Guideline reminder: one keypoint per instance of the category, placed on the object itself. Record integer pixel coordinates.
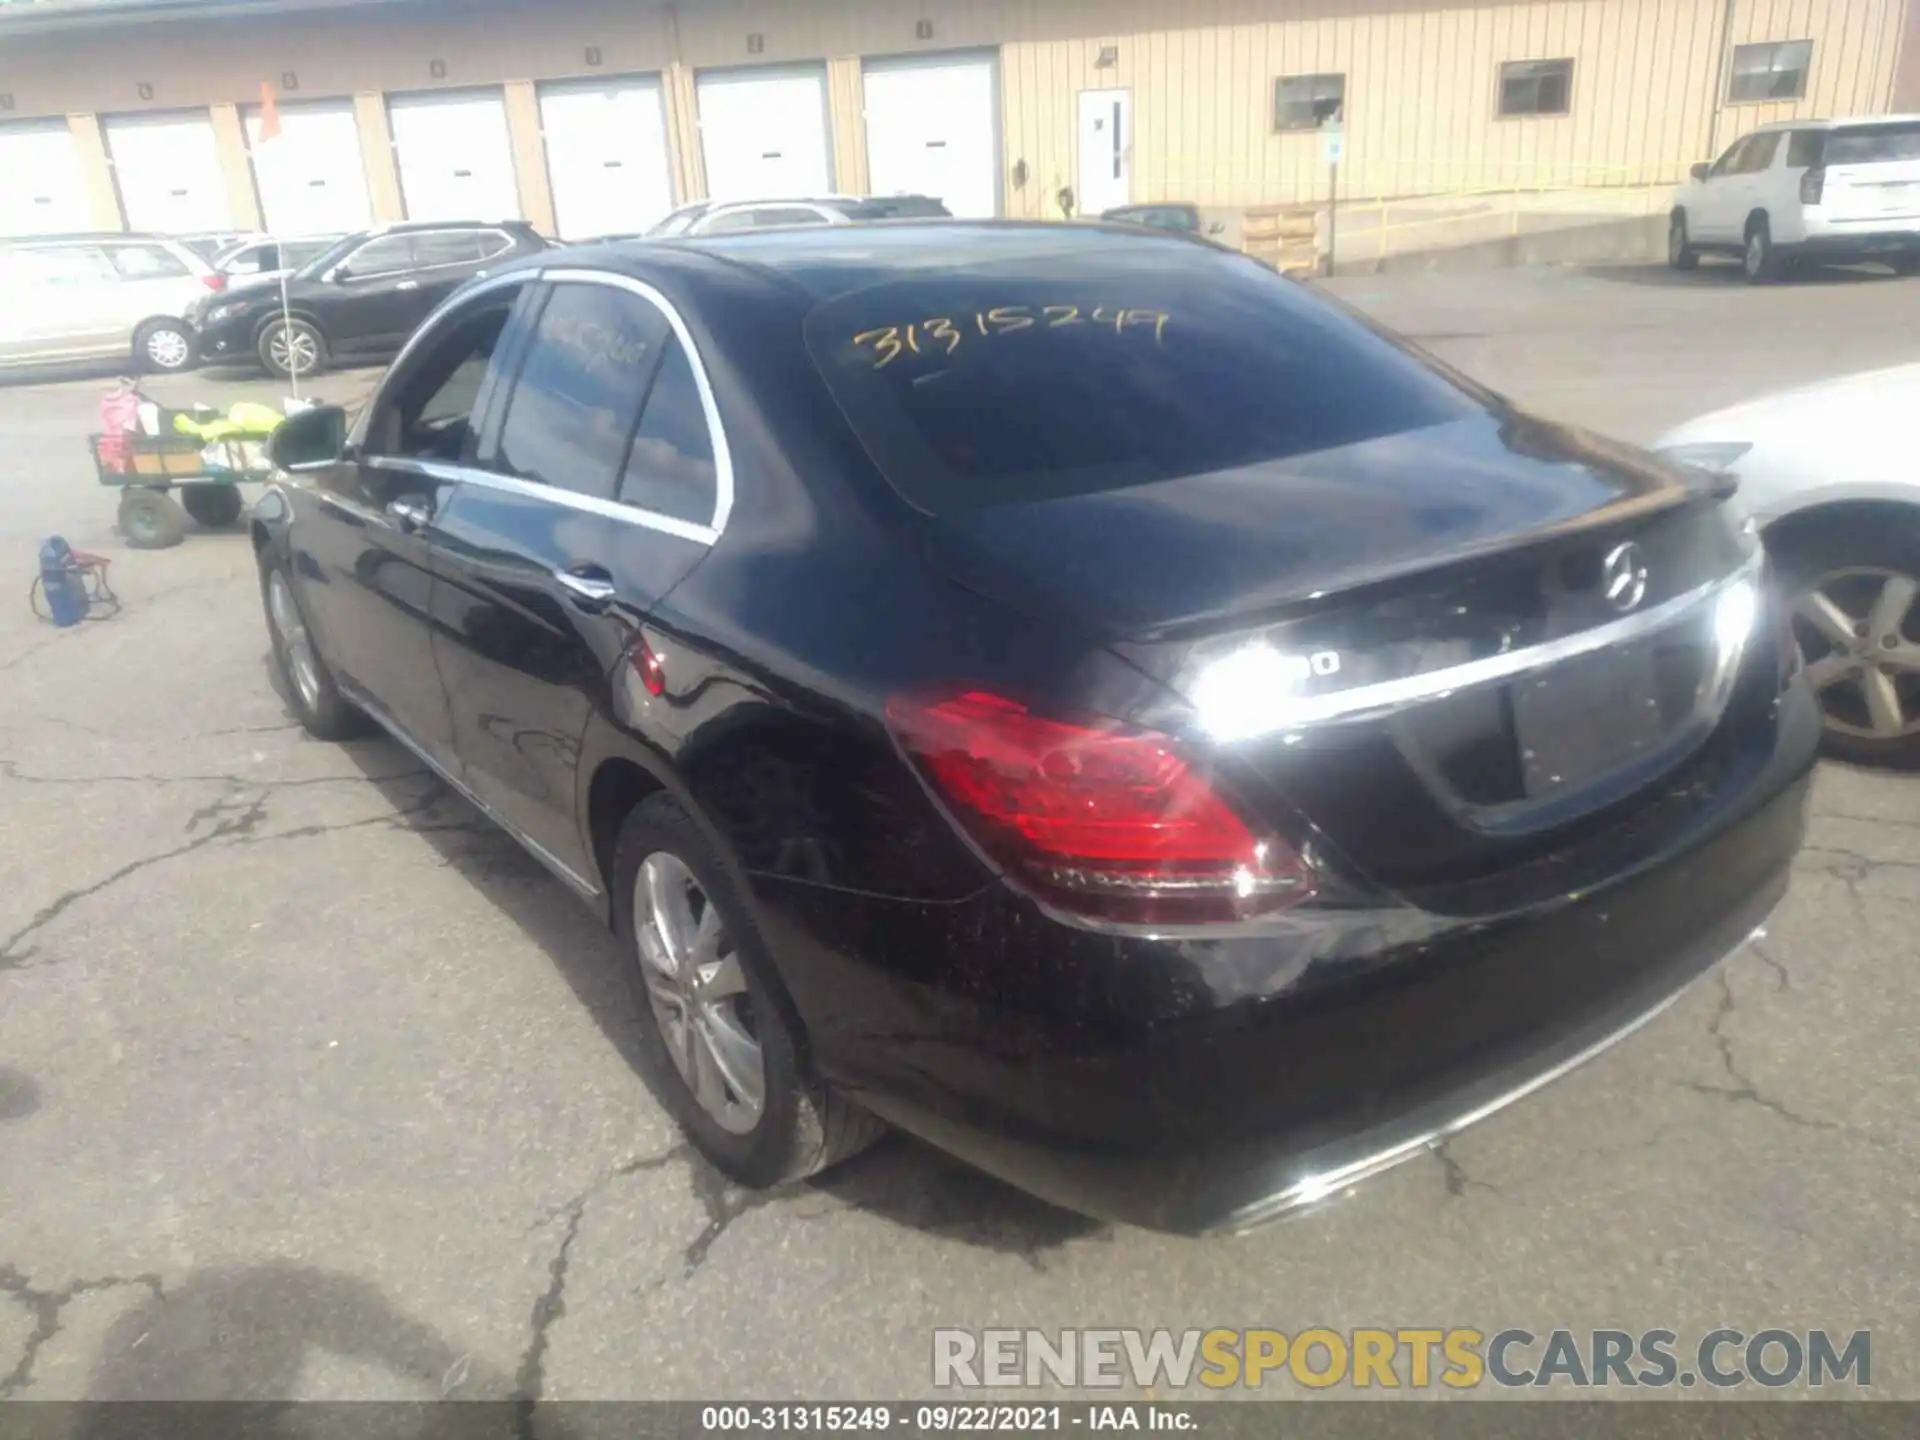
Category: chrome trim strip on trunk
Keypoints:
(1366, 702)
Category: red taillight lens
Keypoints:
(1813, 185)
(1105, 820)
(215, 282)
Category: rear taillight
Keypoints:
(1099, 819)
(215, 282)
(1813, 184)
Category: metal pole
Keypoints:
(1333, 209)
(286, 328)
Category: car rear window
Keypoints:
(1026, 380)
(1869, 144)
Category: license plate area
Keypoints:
(1580, 719)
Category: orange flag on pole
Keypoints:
(269, 114)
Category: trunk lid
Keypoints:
(1299, 613)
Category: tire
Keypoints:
(799, 1127)
(1680, 255)
(1852, 566)
(308, 685)
(1760, 261)
(277, 355)
(150, 520)
(164, 347)
(213, 507)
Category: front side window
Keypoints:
(428, 412)
(146, 262)
(1773, 71)
(1536, 87)
(729, 221)
(1003, 383)
(388, 255)
(592, 356)
(1759, 152)
(1306, 102)
(670, 469)
(1730, 161)
(787, 215)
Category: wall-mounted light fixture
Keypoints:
(923, 29)
(437, 69)
(593, 54)
(756, 44)
(144, 90)
(289, 80)
(6, 102)
(1108, 57)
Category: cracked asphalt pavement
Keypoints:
(313, 1086)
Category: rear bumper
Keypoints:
(1841, 246)
(1200, 1085)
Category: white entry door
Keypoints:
(931, 131)
(454, 156)
(606, 156)
(311, 177)
(1106, 151)
(764, 135)
(42, 187)
(168, 171)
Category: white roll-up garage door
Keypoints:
(932, 130)
(311, 177)
(606, 143)
(454, 155)
(764, 133)
(42, 185)
(167, 168)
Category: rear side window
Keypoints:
(670, 469)
(1803, 149)
(1872, 144)
(61, 266)
(146, 262)
(1017, 382)
(593, 353)
(446, 247)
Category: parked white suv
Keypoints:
(1839, 190)
(98, 297)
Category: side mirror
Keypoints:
(1700, 171)
(311, 440)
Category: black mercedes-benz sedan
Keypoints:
(1061, 690)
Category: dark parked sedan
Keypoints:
(359, 298)
(1066, 692)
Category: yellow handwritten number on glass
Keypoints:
(886, 345)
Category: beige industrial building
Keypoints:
(596, 116)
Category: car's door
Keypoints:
(601, 486)
(1751, 189)
(372, 300)
(1711, 215)
(363, 554)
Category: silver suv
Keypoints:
(97, 297)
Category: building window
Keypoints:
(1306, 102)
(1774, 71)
(1536, 87)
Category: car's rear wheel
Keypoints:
(1759, 260)
(720, 1033)
(316, 700)
(164, 345)
(1680, 255)
(1858, 624)
(292, 347)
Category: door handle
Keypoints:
(410, 512)
(588, 586)
(408, 285)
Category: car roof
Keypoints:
(1844, 122)
(831, 260)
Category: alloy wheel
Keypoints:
(292, 350)
(1856, 631)
(168, 349)
(1756, 255)
(698, 993)
(295, 643)
(1676, 242)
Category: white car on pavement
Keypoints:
(1838, 190)
(1830, 474)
